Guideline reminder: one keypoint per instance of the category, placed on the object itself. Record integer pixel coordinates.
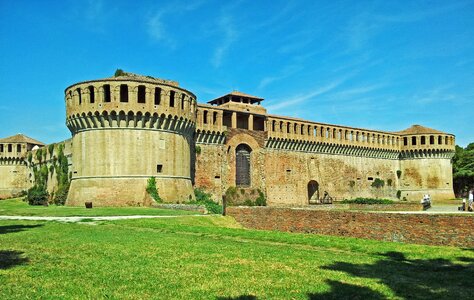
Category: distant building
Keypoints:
(129, 128)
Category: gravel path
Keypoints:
(78, 219)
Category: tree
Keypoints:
(463, 169)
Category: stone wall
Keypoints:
(452, 230)
(13, 179)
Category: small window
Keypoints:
(405, 141)
(431, 140)
(10, 148)
(214, 118)
(18, 148)
(370, 178)
(182, 101)
(172, 99)
(123, 93)
(204, 117)
(141, 95)
(440, 140)
(107, 93)
(78, 90)
(413, 140)
(159, 168)
(91, 93)
(1, 147)
(423, 140)
(157, 96)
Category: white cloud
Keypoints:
(229, 36)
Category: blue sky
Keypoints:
(373, 64)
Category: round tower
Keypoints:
(420, 146)
(125, 130)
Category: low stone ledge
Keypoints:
(188, 207)
(418, 228)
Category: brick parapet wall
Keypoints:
(418, 228)
(382, 207)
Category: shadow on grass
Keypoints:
(407, 278)
(9, 259)
(16, 228)
(241, 297)
(340, 290)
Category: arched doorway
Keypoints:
(313, 191)
(242, 165)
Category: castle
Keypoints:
(129, 128)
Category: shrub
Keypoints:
(399, 194)
(152, 190)
(39, 155)
(51, 150)
(261, 200)
(198, 149)
(389, 182)
(378, 183)
(352, 183)
(399, 174)
(30, 157)
(205, 199)
(367, 201)
(37, 195)
(119, 72)
(61, 195)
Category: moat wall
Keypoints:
(429, 229)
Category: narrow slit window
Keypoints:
(182, 101)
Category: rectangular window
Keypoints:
(405, 141)
(91, 94)
(1, 147)
(18, 148)
(413, 140)
(172, 99)
(123, 93)
(10, 148)
(79, 95)
(141, 94)
(159, 168)
(107, 93)
(157, 96)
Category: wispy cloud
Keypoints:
(307, 96)
(158, 29)
(229, 36)
(285, 73)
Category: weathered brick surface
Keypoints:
(452, 230)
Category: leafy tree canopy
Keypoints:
(463, 169)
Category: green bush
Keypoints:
(119, 72)
(399, 194)
(198, 149)
(152, 190)
(61, 195)
(203, 198)
(399, 174)
(37, 195)
(378, 183)
(51, 150)
(261, 200)
(367, 201)
(389, 182)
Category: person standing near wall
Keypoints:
(471, 200)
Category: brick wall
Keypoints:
(453, 230)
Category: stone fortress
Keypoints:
(129, 128)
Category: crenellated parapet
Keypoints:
(289, 131)
(419, 139)
(129, 101)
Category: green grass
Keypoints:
(17, 207)
(213, 258)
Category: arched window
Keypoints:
(423, 140)
(242, 165)
(431, 140)
(440, 140)
(141, 94)
(273, 125)
(182, 101)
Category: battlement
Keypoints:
(128, 101)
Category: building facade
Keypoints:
(129, 128)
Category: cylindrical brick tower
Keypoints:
(125, 130)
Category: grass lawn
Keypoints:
(213, 258)
(17, 207)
